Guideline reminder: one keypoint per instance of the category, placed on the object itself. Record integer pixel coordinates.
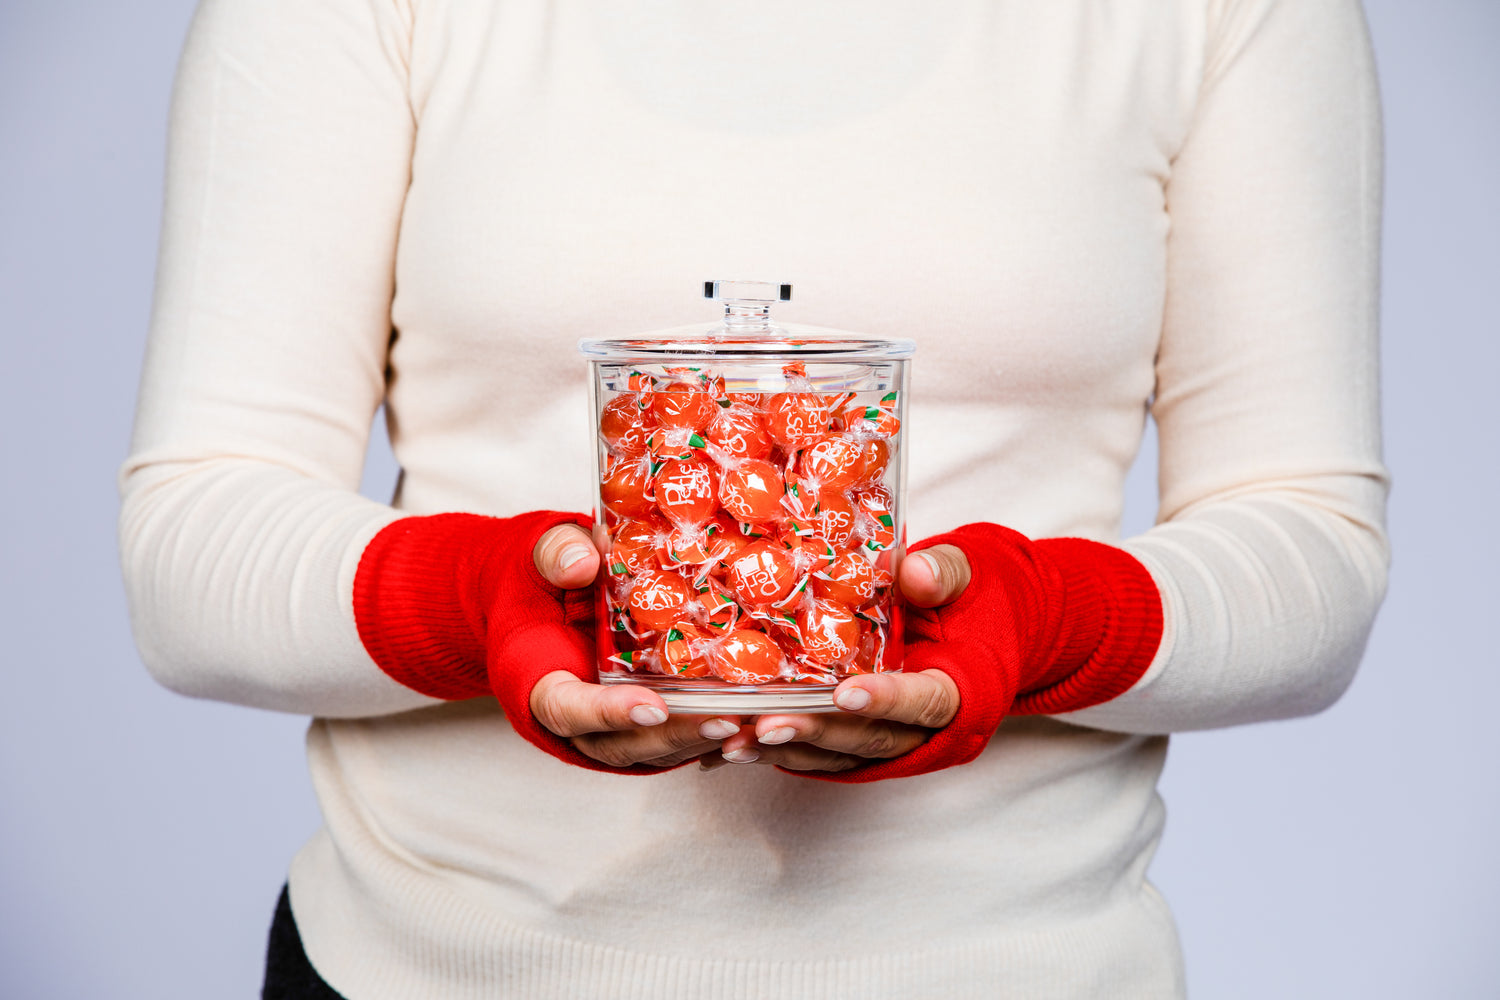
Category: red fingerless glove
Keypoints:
(453, 606)
(1044, 627)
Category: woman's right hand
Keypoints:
(616, 725)
(620, 725)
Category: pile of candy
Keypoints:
(750, 534)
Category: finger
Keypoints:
(676, 741)
(719, 728)
(806, 757)
(929, 698)
(566, 557)
(695, 752)
(840, 733)
(570, 707)
(741, 748)
(934, 576)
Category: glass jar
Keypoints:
(750, 507)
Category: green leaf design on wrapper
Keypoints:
(872, 413)
(889, 397)
(618, 569)
(674, 635)
(697, 442)
(628, 656)
(886, 520)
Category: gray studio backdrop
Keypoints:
(143, 837)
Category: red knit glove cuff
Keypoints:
(428, 588)
(453, 606)
(1068, 623)
(1112, 623)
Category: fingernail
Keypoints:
(853, 699)
(779, 735)
(647, 715)
(717, 729)
(932, 564)
(573, 555)
(744, 755)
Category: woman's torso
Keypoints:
(986, 179)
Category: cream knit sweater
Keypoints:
(1082, 212)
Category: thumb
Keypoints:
(934, 576)
(571, 707)
(566, 557)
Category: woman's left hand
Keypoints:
(883, 715)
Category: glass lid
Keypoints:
(746, 331)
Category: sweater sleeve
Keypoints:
(1270, 550)
(240, 528)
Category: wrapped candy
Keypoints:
(877, 525)
(829, 632)
(833, 463)
(739, 432)
(875, 455)
(682, 651)
(763, 573)
(683, 406)
(721, 613)
(747, 657)
(656, 600)
(850, 580)
(625, 426)
(795, 419)
(835, 518)
(684, 490)
(688, 545)
(634, 544)
(817, 553)
(731, 540)
(627, 490)
(879, 420)
(750, 491)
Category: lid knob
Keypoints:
(747, 291)
(747, 304)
